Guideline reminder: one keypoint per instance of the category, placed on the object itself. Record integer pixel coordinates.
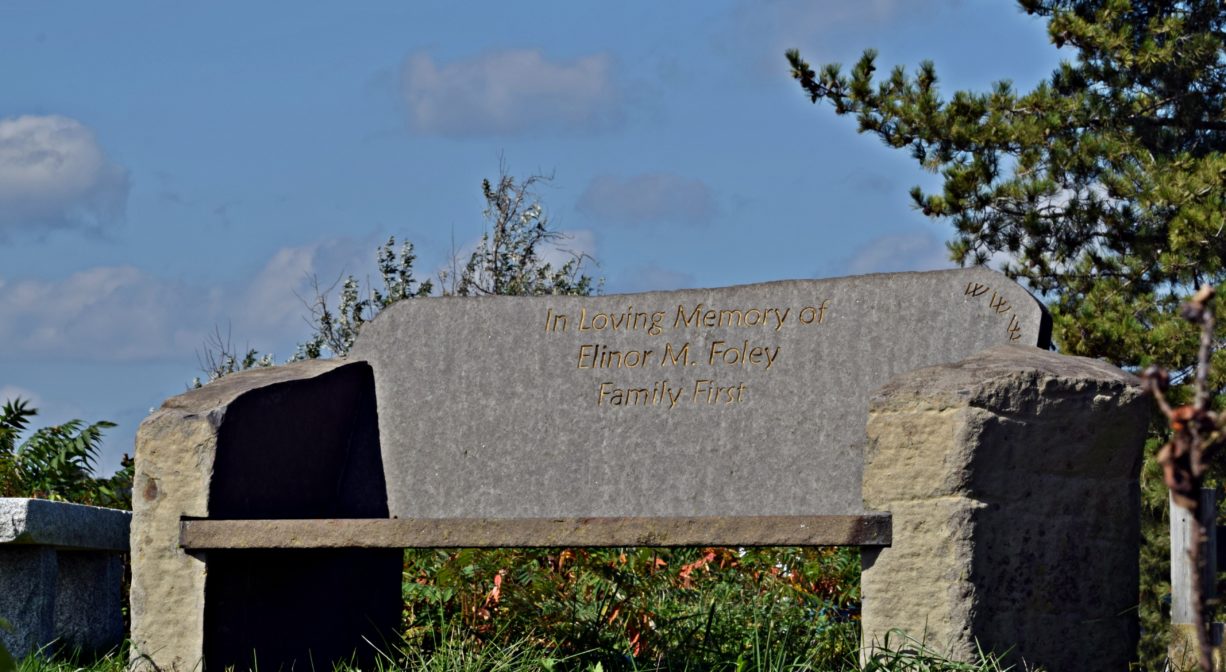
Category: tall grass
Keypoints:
(458, 653)
(629, 610)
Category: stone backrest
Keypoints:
(731, 402)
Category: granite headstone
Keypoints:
(736, 401)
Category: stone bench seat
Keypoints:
(61, 573)
(868, 529)
(61, 525)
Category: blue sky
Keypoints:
(168, 170)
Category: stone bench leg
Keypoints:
(27, 597)
(60, 599)
(89, 600)
(1012, 480)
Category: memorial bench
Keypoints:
(61, 573)
(993, 489)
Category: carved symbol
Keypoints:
(1015, 329)
(998, 302)
(975, 289)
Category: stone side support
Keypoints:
(1012, 480)
(297, 441)
(27, 598)
(61, 575)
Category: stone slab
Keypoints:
(1011, 478)
(738, 401)
(864, 530)
(63, 525)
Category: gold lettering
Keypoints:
(586, 353)
(728, 317)
(680, 357)
(554, 322)
(998, 302)
(656, 328)
(690, 321)
(707, 391)
(636, 358)
(602, 393)
(811, 314)
(975, 289)
(742, 355)
(659, 394)
(780, 318)
(637, 395)
(597, 356)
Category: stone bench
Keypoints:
(992, 483)
(61, 573)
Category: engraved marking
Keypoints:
(597, 356)
(721, 352)
(817, 314)
(660, 392)
(998, 302)
(709, 392)
(745, 355)
(975, 289)
(554, 322)
(678, 357)
(1000, 305)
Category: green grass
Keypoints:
(464, 655)
(628, 610)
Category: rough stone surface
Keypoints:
(89, 601)
(499, 406)
(63, 525)
(1012, 480)
(27, 597)
(298, 441)
(61, 575)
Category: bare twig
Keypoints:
(1185, 459)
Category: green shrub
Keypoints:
(681, 608)
(57, 462)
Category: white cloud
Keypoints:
(271, 306)
(54, 175)
(509, 92)
(106, 312)
(898, 252)
(649, 198)
(120, 313)
(269, 302)
(124, 314)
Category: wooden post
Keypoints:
(1183, 530)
